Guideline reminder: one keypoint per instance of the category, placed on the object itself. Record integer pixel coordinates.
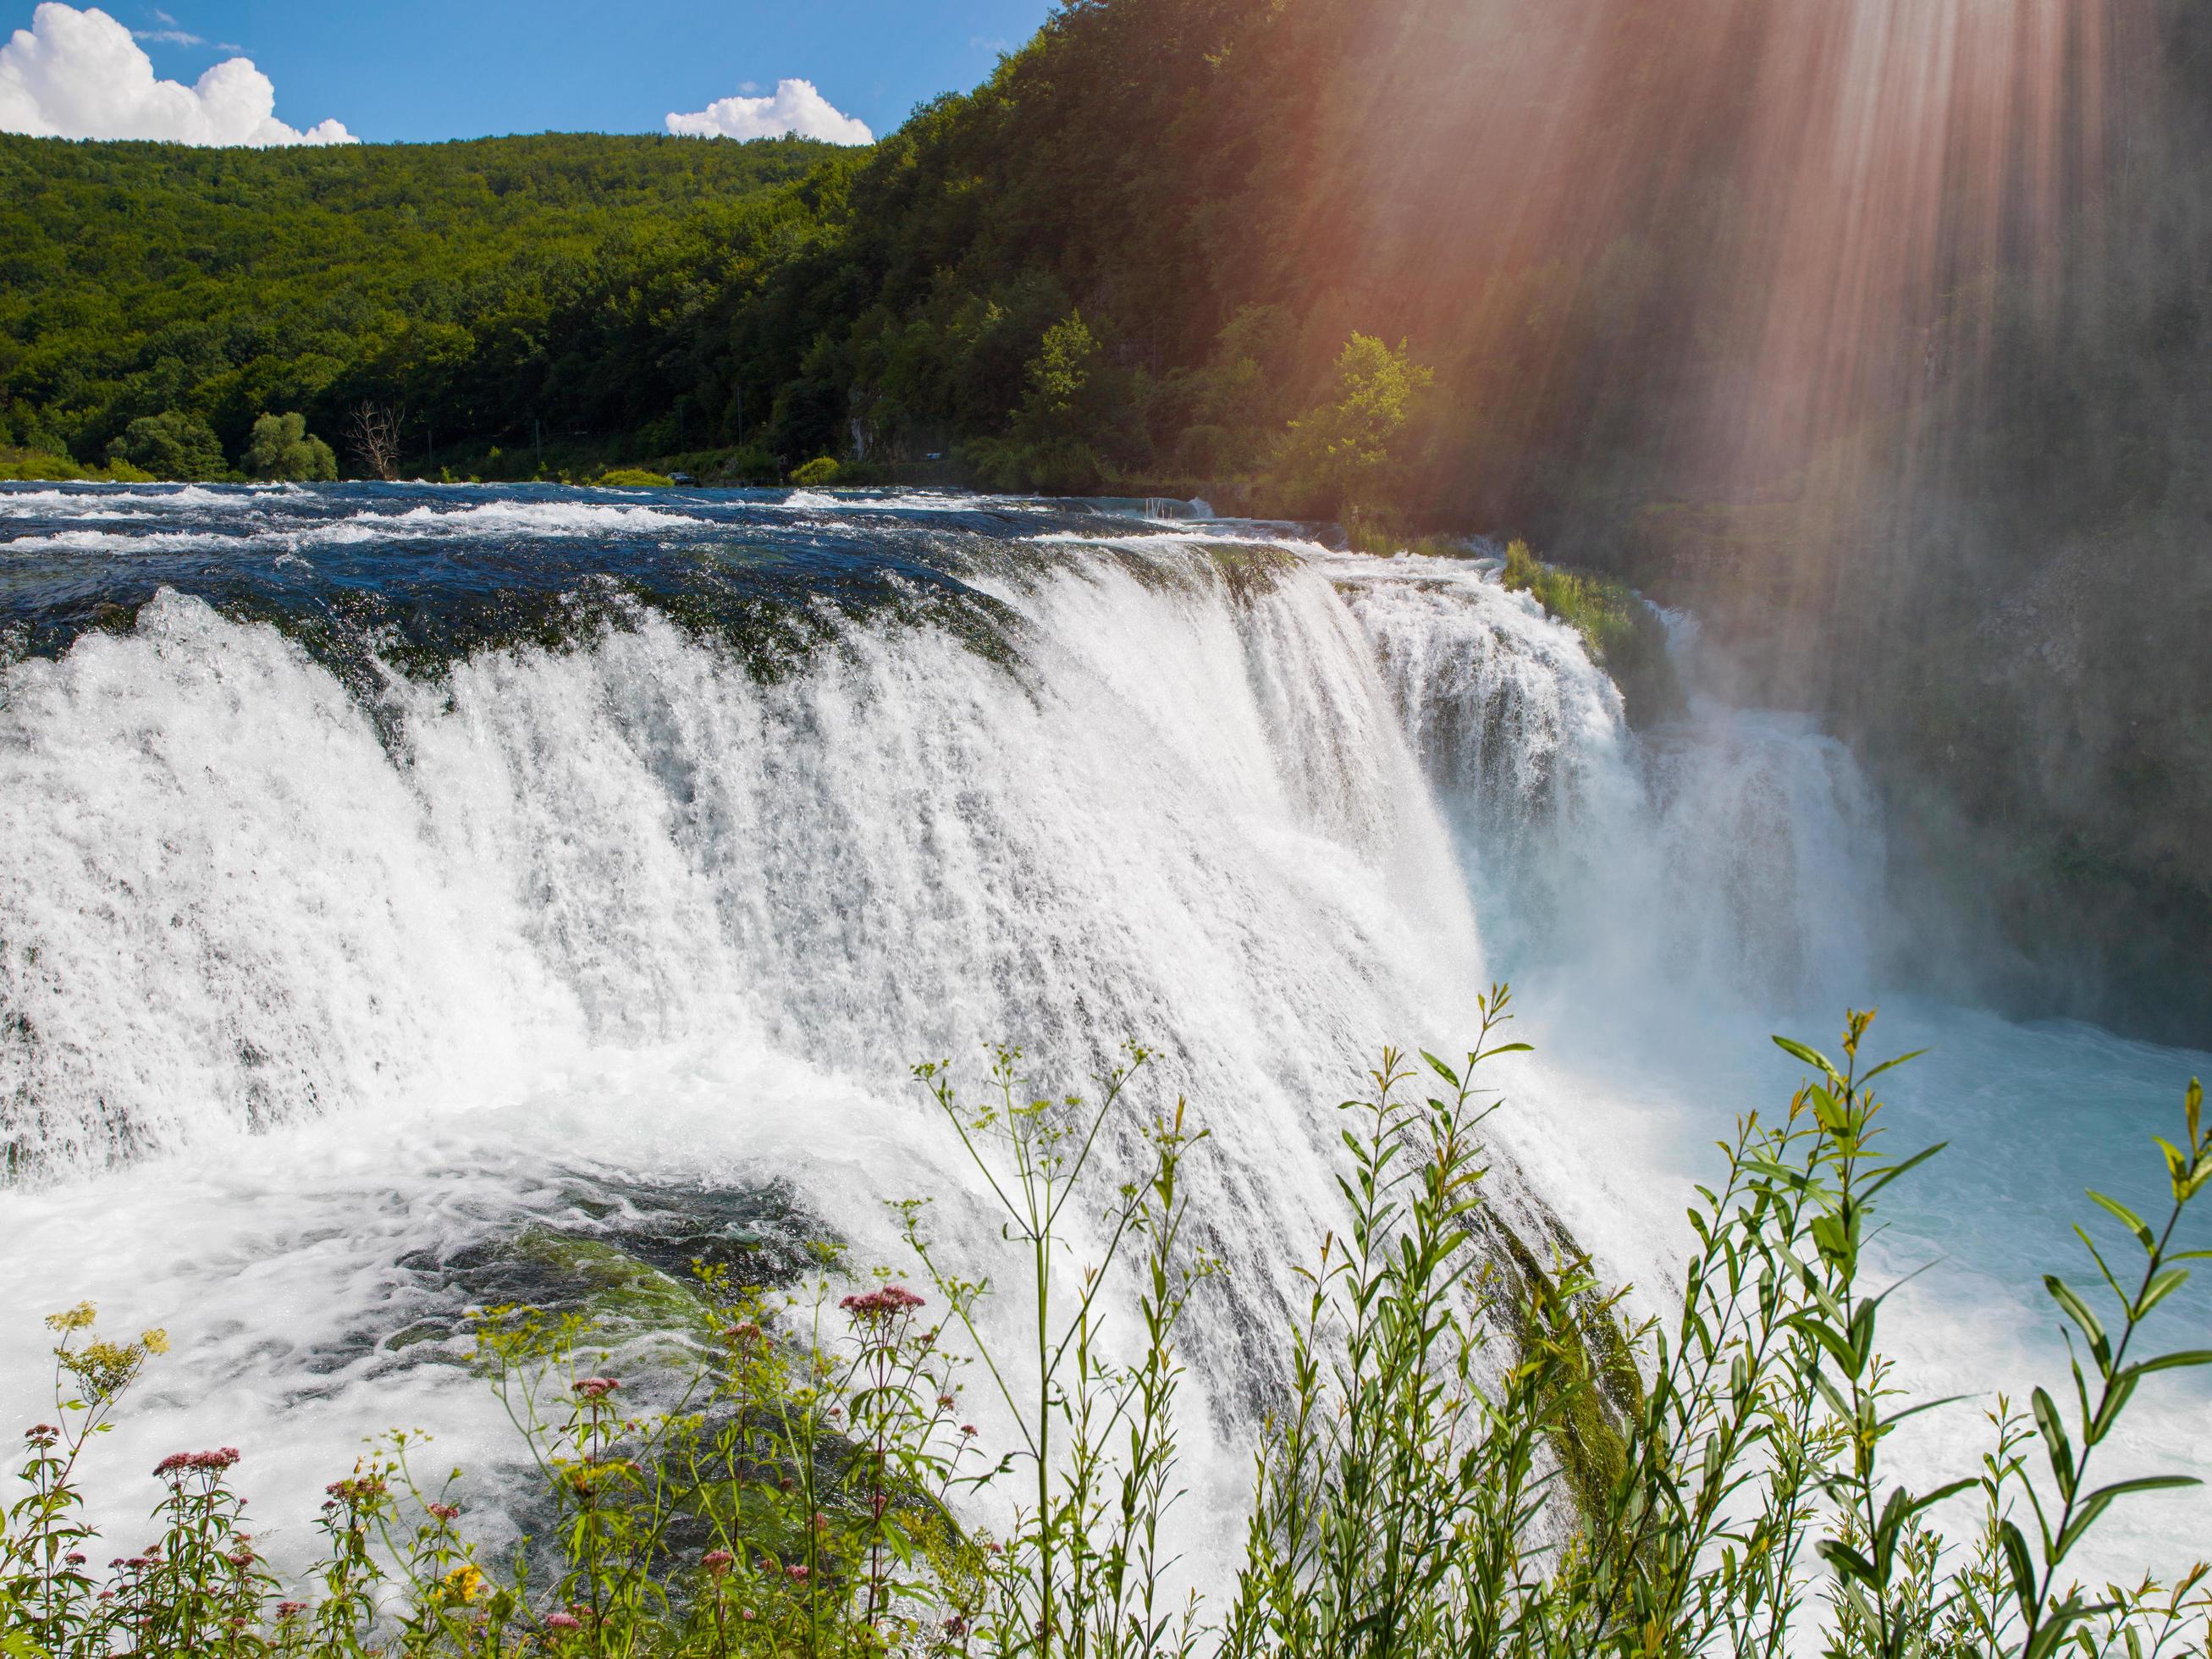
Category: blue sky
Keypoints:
(453, 69)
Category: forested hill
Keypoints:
(141, 279)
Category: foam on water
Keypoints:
(295, 987)
(126, 531)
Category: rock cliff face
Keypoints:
(2053, 758)
(2040, 725)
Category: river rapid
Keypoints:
(392, 872)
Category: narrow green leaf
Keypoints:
(2022, 1565)
(2145, 1483)
(1897, 1169)
(2118, 1393)
(1895, 1418)
(2160, 1288)
(1930, 1499)
(1810, 1057)
(1847, 1561)
(2078, 1311)
(1833, 1340)
(1901, 1059)
(2174, 1361)
(2060, 1450)
(2126, 1217)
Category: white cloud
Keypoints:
(794, 106)
(79, 75)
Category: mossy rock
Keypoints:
(609, 1287)
(623, 1257)
(1591, 1438)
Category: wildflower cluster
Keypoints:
(889, 1302)
(208, 1462)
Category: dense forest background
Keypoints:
(1880, 335)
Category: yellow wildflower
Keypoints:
(104, 1369)
(77, 1319)
(464, 1582)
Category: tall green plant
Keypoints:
(1082, 1572)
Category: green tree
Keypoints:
(171, 445)
(1058, 377)
(1351, 451)
(282, 450)
(1075, 407)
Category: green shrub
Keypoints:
(822, 469)
(282, 450)
(1623, 632)
(1381, 535)
(38, 466)
(1472, 1455)
(632, 478)
(172, 444)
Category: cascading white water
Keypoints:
(1731, 856)
(289, 996)
(231, 907)
(625, 904)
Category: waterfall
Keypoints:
(1183, 815)
(1733, 857)
(616, 853)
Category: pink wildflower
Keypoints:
(193, 1462)
(595, 1388)
(797, 1572)
(892, 1300)
(716, 1561)
(355, 1490)
(564, 1621)
(290, 1610)
(445, 1511)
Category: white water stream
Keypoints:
(286, 1007)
